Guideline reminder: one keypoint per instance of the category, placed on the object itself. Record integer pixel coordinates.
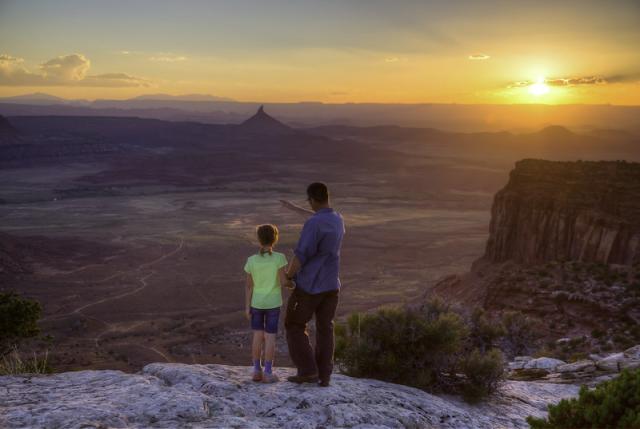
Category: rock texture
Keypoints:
(581, 211)
(198, 396)
(586, 371)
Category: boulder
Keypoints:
(611, 362)
(546, 363)
(579, 366)
(633, 352)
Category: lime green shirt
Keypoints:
(267, 292)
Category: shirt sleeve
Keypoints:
(247, 266)
(308, 243)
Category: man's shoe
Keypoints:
(323, 383)
(299, 379)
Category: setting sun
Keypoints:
(539, 88)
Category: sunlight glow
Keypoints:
(539, 88)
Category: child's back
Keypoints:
(267, 292)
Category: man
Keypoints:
(315, 270)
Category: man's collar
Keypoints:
(325, 210)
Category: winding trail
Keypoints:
(142, 280)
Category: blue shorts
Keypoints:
(265, 320)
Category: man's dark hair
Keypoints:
(318, 191)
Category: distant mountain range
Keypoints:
(450, 117)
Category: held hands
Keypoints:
(290, 284)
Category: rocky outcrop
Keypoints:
(181, 396)
(264, 124)
(580, 211)
(589, 371)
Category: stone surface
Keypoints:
(550, 364)
(198, 396)
(582, 365)
(633, 352)
(611, 362)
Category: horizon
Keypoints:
(332, 53)
(219, 99)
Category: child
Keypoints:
(265, 276)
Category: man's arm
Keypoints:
(293, 268)
(296, 208)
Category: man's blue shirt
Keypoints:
(318, 251)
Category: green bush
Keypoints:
(409, 347)
(612, 404)
(18, 320)
(520, 333)
(485, 331)
(429, 348)
(483, 372)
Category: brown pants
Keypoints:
(300, 309)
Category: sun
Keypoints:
(539, 88)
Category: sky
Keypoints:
(395, 51)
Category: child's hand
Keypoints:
(247, 313)
(290, 285)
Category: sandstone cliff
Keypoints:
(579, 211)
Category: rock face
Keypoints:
(180, 396)
(264, 124)
(580, 211)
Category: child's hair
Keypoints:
(268, 236)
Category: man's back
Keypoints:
(319, 252)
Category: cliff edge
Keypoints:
(574, 211)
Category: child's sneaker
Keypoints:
(257, 376)
(270, 378)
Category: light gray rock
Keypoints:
(611, 362)
(633, 352)
(549, 364)
(582, 365)
(218, 396)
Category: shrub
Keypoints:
(484, 331)
(13, 363)
(431, 348)
(18, 320)
(520, 333)
(483, 372)
(407, 346)
(612, 404)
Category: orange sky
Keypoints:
(349, 51)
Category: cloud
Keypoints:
(116, 80)
(8, 59)
(391, 60)
(168, 58)
(479, 56)
(579, 80)
(64, 70)
(572, 81)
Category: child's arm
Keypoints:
(284, 281)
(296, 208)
(248, 293)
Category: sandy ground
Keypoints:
(167, 284)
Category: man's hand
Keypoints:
(247, 314)
(296, 208)
(290, 284)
